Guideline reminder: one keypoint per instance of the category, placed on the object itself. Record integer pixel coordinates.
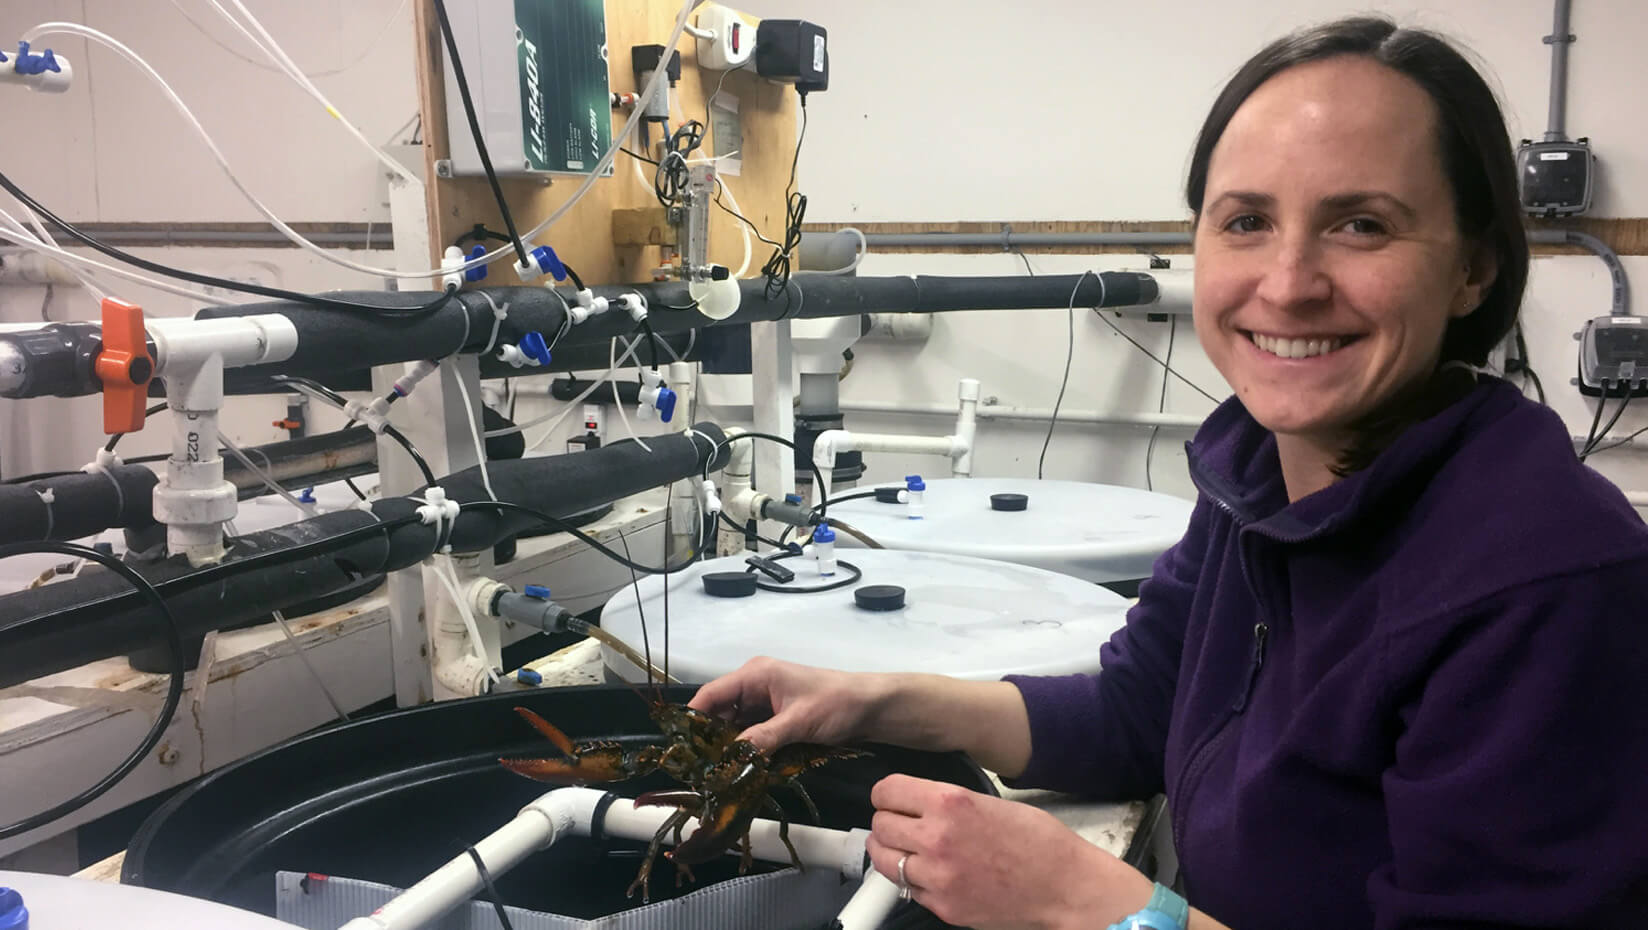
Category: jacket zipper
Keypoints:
(1202, 755)
(1260, 631)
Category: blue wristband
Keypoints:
(1165, 911)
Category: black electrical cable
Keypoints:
(174, 692)
(652, 342)
(1521, 364)
(115, 439)
(818, 476)
(733, 524)
(274, 293)
(852, 579)
(560, 525)
(741, 217)
(1161, 402)
(356, 488)
(1069, 356)
(491, 889)
(475, 130)
(1596, 420)
(778, 267)
(1590, 447)
(388, 429)
(855, 496)
(1152, 356)
(1620, 442)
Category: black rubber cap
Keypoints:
(880, 597)
(887, 495)
(729, 584)
(1009, 502)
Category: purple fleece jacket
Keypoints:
(1415, 699)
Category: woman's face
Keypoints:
(1328, 257)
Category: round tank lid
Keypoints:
(729, 584)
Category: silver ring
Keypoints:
(903, 883)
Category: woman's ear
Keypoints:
(1480, 273)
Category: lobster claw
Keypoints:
(591, 762)
(588, 768)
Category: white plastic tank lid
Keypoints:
(969, 618)
(57, 901)
(1098, 532)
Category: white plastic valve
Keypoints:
(452, 261)
(634, 304)
(45, 71)
(708, 498)
(588, 305)
(823, 549)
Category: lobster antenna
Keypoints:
(635, 585)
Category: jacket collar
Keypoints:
(1233, 462)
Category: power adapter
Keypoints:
(793, 51)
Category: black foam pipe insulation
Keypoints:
(76, 505)
(333, 341)
(65, 625)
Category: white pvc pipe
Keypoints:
(870, 905)
(1637, 498)
(570, 811)
(1002, 412)
(966, 427)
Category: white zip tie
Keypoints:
(47, 497)
(499, 314)
(439, 511)
(107, 459)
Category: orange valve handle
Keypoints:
(124, 366)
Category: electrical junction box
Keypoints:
(537, 72)
(1555, 178)
(1614, 349)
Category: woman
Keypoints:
(1394, 674)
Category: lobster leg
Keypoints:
(784, 833)
(645, 874)
(687, 804)
(812, 809)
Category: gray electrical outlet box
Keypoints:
(537, 72)
(1614, 349)
(1555, 178)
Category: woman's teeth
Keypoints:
(1297, 348)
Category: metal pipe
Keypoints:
(1557, 123)
(1007, 240)
(1148, 419)
(1597, 247)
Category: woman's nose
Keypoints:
(1293, 276)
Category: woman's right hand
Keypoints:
(782, 702)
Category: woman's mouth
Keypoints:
(1302, 347)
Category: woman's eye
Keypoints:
(1364, 226)
(1246, 223)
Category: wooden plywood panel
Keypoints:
(584, 238)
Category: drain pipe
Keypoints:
(572, 812)
(957, 447)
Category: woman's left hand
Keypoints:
(983, 862)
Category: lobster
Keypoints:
(728, 782)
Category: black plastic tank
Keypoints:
(390, 798)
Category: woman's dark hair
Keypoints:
(1481, 171)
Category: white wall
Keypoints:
(1064, 109)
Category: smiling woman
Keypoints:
(1391, 677)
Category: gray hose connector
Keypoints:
(542, 613)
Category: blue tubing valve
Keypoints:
(534, 347)
(13, 915)
(666, 404)
(548, 262)
(536, 592)
(477, 273)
